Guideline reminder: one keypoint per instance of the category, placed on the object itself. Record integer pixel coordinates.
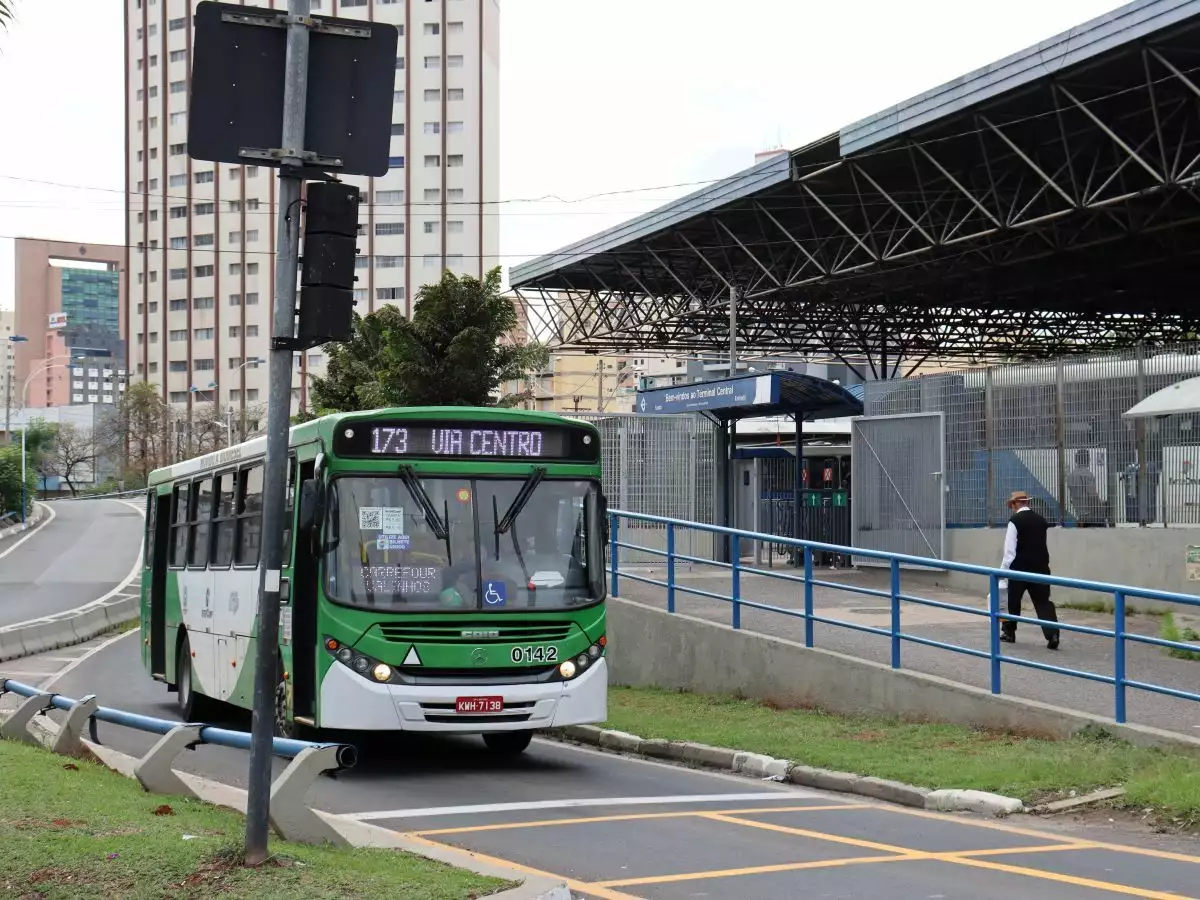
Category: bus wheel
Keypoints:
(507, 743)
(191, 705)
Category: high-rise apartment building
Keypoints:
(202, 235)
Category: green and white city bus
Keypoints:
(444, 571)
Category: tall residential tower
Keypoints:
(202, 235)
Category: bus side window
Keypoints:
(289, 512)
(201, 518)
(249, 528)
(179, 525)
(151, 518)
(224, 521)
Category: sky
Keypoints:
(643, 100)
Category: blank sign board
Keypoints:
(236, 102)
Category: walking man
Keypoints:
(1025, 550)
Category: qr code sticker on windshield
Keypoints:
(370, 518)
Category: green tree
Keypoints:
(455, 351)
(138, 431)
(7, 16)
(10, 481)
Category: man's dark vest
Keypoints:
(1032, 553)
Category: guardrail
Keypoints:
(995, 614)
(139, 492)
(290, 816)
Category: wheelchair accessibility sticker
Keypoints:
(495, 593)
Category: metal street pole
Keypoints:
(279, 402)
(24, 428)
(733, 301)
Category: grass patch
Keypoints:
(1106, 607)
(931, 755)
(1170, 631)
(73, 829)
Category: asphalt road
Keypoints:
(616, 827)
(88, 549)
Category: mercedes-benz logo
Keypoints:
(478, 656)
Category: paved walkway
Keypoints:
(1078, 651)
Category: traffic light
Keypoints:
(327, 272)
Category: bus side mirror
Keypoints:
(312, 505)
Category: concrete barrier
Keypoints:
(64, 629)
(653, 648)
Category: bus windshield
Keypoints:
(446, 543)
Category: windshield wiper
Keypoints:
(436, 525)
(520, 500)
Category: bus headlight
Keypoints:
(567, 669)
(361, 664)
(582, 660)
(382, 672)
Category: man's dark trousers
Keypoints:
(1042, 604)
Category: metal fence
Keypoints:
(660, 466)
(623, 540)
(1056, 430)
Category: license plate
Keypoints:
(469, 705)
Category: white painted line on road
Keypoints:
(62, 673)
(32, 531)
(789, 796)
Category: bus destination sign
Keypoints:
(462, 441)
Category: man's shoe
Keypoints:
(1008, 638)
(1052, 644)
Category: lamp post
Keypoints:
(253, 362)
(25, 417)
(8, 374)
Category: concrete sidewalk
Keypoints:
(1081, 652)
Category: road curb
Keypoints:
(357, 834)
(38, 518)
(756, 765)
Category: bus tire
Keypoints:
(507, 743)
(192, 706)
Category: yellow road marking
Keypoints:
(1045, 835)
(1064, 879)
(627, 817)
(804, 832)
(597, 890)
(757, 870)
(891, 853)
(1004, 851)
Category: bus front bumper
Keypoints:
(351, 702)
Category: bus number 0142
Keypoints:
(534, 654)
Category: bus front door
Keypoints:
(159, 547)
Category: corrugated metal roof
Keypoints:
(749, 181)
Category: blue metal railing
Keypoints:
(1119, 634)
(286, 748)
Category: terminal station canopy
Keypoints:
(1043, 205)
(750, 396)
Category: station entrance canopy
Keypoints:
(772, 394)
(728, 400)
(1043, 205)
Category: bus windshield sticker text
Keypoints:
(501, 442)
(534, 654)
(402, 580)
(393, 542)
(392, 520)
